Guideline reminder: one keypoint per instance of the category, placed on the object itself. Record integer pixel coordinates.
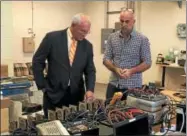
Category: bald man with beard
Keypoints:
(127, 55)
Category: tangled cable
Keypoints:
(117, 114)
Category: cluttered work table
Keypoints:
(164, 67)
(172, 95)
(104, 129)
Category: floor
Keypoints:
(100, 90)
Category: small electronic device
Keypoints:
(31, 120)
(83, 130)
(95, 104)
(51, 115)
(127, 127)
(13, 126)
(39, 117)
(66, 111)
(23, 122)
(82, 106)
(73, 108)
(78, 128)
(90, 106)
(151, 104)
(52, 128)
(59, 114)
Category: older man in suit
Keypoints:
(69, 56)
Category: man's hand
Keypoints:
(126, 73)
(89, 96)
(123, 73)
(119, 72)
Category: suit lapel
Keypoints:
(64, 49)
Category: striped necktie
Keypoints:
(72, 51)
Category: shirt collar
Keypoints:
(131, 34)
(69, 33)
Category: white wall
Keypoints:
(7, 35)
(16, 18)
(47, 16)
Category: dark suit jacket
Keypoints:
(54, 48)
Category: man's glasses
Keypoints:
(84, 32)
(127, 9)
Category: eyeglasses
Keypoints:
(84, 32)
(127, 9)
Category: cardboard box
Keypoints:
(4, 120)
(5, 103)
(4, 70)
(5, 115)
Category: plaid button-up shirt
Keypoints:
(127, 54)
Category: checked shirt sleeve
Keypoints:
(145, 51)
(108, 50)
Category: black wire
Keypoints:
(20, 132)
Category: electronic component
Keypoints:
(101, 102)
(153, 105)
(127, 127)
(82, 106)
(73, 108)
(90, 106)
(52, 128)
(66, 111)
(59, 113)
(39, 117)
(82, 127)
(23, 122)
(13, 126)
(51, 115)
(157, 115)
(150, 105)
(31, 120)
(77, 128)
(95, 104)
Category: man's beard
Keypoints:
(126, 32)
